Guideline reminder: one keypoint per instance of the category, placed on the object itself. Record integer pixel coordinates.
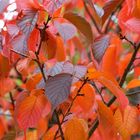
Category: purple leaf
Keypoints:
(20, 44)
(52, 5)
(133, 24)
(28, 22)
(99, 46)
(3, 5)
(66, 30)
(58, 88)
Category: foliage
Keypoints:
(69, 69)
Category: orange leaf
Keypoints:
(60, 52)
(86, 101)
(128, 124)
(42, 126)
(133, 83)
(106, 119)
(112, 85)
(33, 81)
(49, 45)
(75, 129)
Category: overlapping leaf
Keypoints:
(75, 130)
(3, 5)
(111, 84)
(99, 46)
(133, 95)
(81, 24)
(106, 119)
(58, 88)
(109, 8)
(29, 109)
(52, 5)
(126, 125)
(28, 22)
(66, 30)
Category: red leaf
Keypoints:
(29, 109)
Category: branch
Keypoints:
(93, 20)
(109, 20)
(112, 100)
(59, 125)
(130, 42)
(12, 100)
(42, 34)
(98, 91)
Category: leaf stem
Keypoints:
(59, 125)
(12, 100)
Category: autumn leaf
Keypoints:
(111, 84)
(126, 125)
(58, 88)
(52, 5)
(109, 8)
(106, 119)
(29, 109)
(3, 5)
(76, 129)
(87, 98)
(81, 24)
(99, 46)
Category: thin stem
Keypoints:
(98, 91)
(93, 20)
(130, 42)
(59, 125)
(12, 100)
(41, 66)
(109, 20)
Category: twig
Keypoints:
(112, 100)
(109, 20)
(59, 125)
(93, 20)
(130, 42)
(12, 100)
(42, 34)
(98, 91)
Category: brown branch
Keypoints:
(130, 42)
(59, 125)
(92, 18)
(109, 20)
(12, 100)
(112, 100)
(42, 34)
(98, 91)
